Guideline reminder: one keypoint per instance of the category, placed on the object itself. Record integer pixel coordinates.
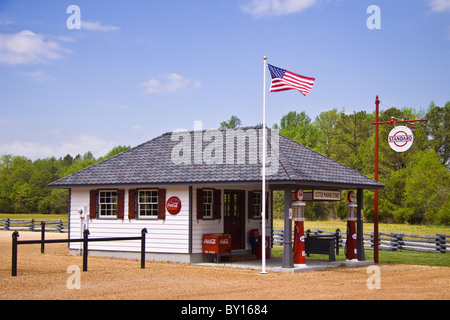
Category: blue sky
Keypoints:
(137, 69)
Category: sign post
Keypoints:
(400, 141)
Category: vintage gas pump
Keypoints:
(298, 213)
(351, 226)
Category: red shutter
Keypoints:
(267, 205)
(93, 204)
(120, 203)
(250, 205)
(199, 204)
(132, 204)
(217, 204)
(162, 204)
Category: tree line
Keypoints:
(417, 182)
(24, 183)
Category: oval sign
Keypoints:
(351, 197)
(173, 205)
(400, 138)
(298, 194)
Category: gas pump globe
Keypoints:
(351, 211)
(298, 210)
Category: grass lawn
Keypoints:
(403, 257)
(36, 216)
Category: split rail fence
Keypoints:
(34, 225)
(439, 243)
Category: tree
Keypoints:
(298, 127)
(351, 132)
(326, 124)
(427, 188)
(438, 130)
(233, 123)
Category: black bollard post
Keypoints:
(143, 232)
(42, 236)
(15, 235)
(85, 249)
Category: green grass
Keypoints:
(36, 216)
(401, 257)
(429, 230)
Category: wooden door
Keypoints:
(233, 209)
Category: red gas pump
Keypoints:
(298, 213)
(350, 252)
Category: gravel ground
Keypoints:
(45, 277)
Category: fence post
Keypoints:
(85, 249)
(42, 236)
(15, 235)
(338, 240)
(440, 243)
(143, 232)
(59, 225)
(32, 224)
(7, 224)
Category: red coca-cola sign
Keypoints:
(173, 205)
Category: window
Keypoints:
(257, 204)
(107, 203)
(208, 204)
(148, 203)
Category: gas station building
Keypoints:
(184, 186)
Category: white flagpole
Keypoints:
(263, 213)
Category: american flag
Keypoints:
(286, 80)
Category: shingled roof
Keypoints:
(177, 158)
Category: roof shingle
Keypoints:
(156, 162)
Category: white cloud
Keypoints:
(439, 5)
(260, 8)
(79, 145)
(169, 83)
(97, 26)
(27, 47)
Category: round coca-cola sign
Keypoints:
(173, 205)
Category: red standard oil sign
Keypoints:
(173, 205)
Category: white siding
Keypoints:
(164, 236)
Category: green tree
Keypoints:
(298, 127)
(326, 124)
(427, 189)
(438, 130)
(352, 131)
(233, 123)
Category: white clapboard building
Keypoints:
(184, 184)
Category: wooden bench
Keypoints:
(321, 244)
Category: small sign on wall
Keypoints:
(173, 205)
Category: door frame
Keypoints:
(242, 219)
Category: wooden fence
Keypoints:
(34, 225)
(386, 241)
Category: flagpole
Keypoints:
(263, 213)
